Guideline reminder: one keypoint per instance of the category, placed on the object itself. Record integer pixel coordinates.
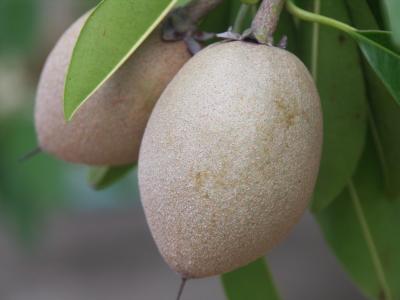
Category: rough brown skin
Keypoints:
(230, 156)
(108, 129)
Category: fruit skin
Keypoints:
(230, 157)
(108, 128)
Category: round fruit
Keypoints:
(230, 157)
(108, 129)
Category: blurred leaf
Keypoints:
(111, 34)
(376, 9)
(17, 24)
(29, 189)
(182, 2)
(334, 59)
(250, 2)
(393, 12)
(235, 6)
(384, 112)
(286, 27)
(253, 281)
(362, 227)
(218, 19)
(103, 177)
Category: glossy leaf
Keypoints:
(103, 177)
(253, 282)
(393, 12)
(362, 227)
(335, 61)
(382, 56)
(114, 30)
(384, 112)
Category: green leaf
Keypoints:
(362, 227)
(286, 27)
(103, 177)
(385, 124)
(250, 2)
(253, 281)
(235, 7)
(384, 112)
(182, 2)
(382, 56)
(114, 30)
(376, 9)
(393, 12)
(218, 19)
(375, 45)
(334, 60)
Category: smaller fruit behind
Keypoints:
(108, 128)
(230, 157)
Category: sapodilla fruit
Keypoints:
(108, 128)
(230, 157)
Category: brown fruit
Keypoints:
(230, 157)
(108, 128)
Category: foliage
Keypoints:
(342, 92)
(362, 228)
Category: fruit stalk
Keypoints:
(266, 20)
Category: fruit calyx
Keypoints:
(263, 26)
(248, 36)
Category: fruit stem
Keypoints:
(243, 10)
(266, 20)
